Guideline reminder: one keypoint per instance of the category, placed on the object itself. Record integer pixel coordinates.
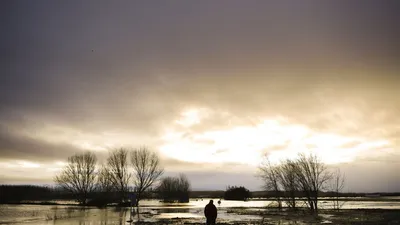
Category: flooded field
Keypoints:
(152, 211)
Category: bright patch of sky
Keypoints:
(276, 138)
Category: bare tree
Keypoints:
(146, 170)
(184, 185)
(117, 166)
(289, 182)
(312, 176)
(337, 185)
(104, 181)
(105, 187)
(270, 176)
(79, 177)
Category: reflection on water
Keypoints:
(151, 211)
(178, 215)
(262, 203)
(175, 210)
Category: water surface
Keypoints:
(154, 210)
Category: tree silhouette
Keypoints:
(146, 170)
(270, 176)
(312, 176)
(337, 185)
(117, 167)
(78, 176)
(306, 174)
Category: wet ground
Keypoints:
(38, 214)
(229, 212)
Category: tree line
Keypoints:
(292, 180)
(126, 176)
(16, 193)
(127, 172)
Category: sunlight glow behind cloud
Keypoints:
(191, 117)
(248, 144)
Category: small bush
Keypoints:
(237, 193)
(174, 189)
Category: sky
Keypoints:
(212, 86)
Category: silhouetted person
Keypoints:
(219, 202)
(210, 211)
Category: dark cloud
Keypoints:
(132, 67)
(25, 148)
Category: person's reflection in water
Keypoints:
(210, 211)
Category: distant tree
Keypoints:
(146, 170)
(78, 176)
(270, 175)
(237, 193)
(18, 193)
(173, 189)
(117, 171)
(337, 185)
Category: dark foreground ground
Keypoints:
(351, 216)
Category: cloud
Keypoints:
(328, 74)
(30, 179)
(16, 147)
(29, 172)
(369, 176)
(176, 165)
